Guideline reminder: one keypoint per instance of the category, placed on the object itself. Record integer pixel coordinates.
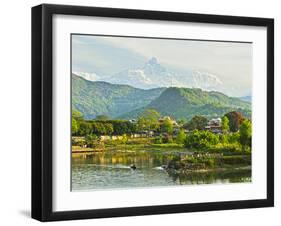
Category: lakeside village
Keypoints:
(198, 144)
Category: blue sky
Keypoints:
(105, 56)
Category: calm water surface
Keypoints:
(112, 170)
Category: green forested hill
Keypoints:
(97, 98)
(184, 103)
(127, 102)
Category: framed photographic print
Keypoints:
(145, 112)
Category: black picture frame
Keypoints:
(42, 107)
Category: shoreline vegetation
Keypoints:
(198, 145)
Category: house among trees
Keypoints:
(168, 118)
(214, 125)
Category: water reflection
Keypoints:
(219, 176)
(112, 170)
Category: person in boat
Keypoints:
(164, 167)
(133, 166)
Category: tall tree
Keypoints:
(167, 126)
(197, 122)
(108, 128)
(245, 132)
(181, 136)
(235, 120)
(74, 126)
(148, 120)
(85, 128)
(225, 124)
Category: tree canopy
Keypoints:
(201, 139)
(148, 120)
(225, 124)
(181, 136)
(235, 120)
(167, 126)
(197, 122)
(74, 126)
(77, 115)
(245, 132)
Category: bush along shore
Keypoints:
(201, 162)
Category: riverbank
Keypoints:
(181, 159)
(130, 147)
(227, 150)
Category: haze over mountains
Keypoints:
(154, 75)
(94, 98)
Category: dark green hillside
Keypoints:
(187, 102)
(102, 98)
(127, 102)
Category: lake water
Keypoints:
(112, 170)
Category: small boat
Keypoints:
(164, 167)
(133, 166)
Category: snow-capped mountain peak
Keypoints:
(153, 67)
(205, 80)
(87, 76)
(153, 75)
